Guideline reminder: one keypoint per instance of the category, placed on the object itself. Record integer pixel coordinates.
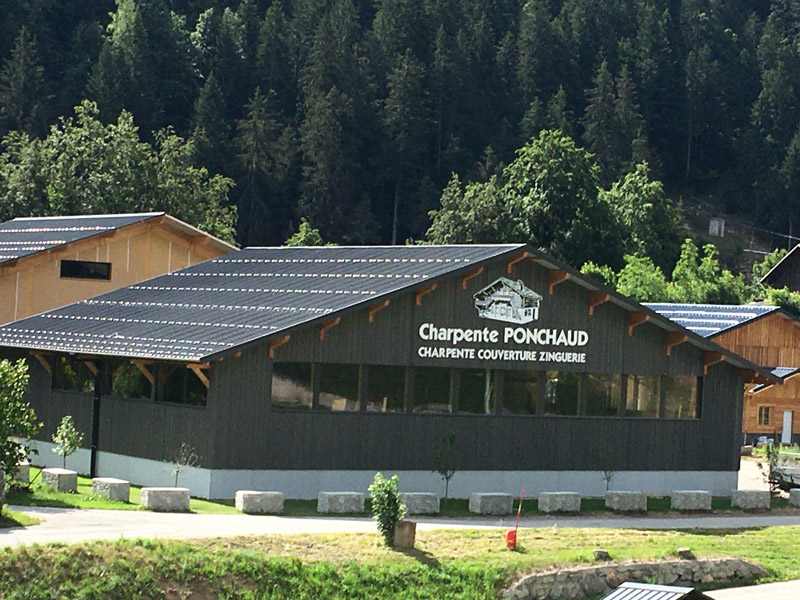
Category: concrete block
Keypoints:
(420, 503)
(559, 502)
(118, 490)
(340, 502)
(626, 501)
(794, 497)
(491, 504)
(751, 499)
(405, 534)
(164, 499)
(258, 503)
(23, 473)
(690, 500)
(63, 480)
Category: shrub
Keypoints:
(67, 439)
(387, 509)
(17, 419)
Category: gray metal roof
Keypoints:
(231, 301)
(708, 320)
(646, 591)
(24, 236)
(783, 373)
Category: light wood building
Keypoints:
(767, 336)
(47, 262)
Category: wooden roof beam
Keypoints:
(92, 367)
(423, 292)
(636, 318)
(375, 309)
(596, 299)
(198, 371)
(467, 276)
(327, 325)
(42, 361)
(142, 366)
(675, 338)
(555, 277)
(515, 259)
(275, 343)
(710, 359)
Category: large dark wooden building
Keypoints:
(309, 369)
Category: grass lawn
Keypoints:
(469, 565)
(10, 518)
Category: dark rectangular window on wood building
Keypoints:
(521, 391)
(763, 415)
(385, 388)
(85, 269)
(562, 393)
(643, 397)
(291, 385)
(128, 381)
(603, 394)
(71, 374)
(477, 393)
(180, 385)
(432, 390)
(338, 387)
(680, 397)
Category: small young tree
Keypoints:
(444, 463)
(186, 457)
(67, 439)
(17, 419)
(387, 509)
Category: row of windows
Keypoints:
(481, 391)
(85, 269)
(173, 382)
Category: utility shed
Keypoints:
(766, 335)
(309, 369)
(47, 262)
(648, 591)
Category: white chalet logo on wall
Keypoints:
(508, 301)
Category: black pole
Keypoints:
(98, 392)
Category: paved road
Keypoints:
(74, 525)
(786, 590)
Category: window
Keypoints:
(386, 388)
(338, 387)
(180, 385)
(643, 397)
(603, 394)
(680, 397)
(562, 393)
(521, 391)
(84, 269)
(763, 415)
(72, 375)
(128, 381)
(432, 390)
(476, 391)
(291, 385)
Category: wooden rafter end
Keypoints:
(327, 325)
(515, 259)
(467, 276)
(555, 277)
(710, 359)
(423, 292)
(673, 339)
(198, 371)
(275, 343)
(596, 299)
(373, 310)
(635, 319)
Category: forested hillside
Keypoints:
(355, 113)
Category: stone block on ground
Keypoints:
(165, 499)
(405, 533)
(690, 500)
(420, 503)
(794, 497)
(23, 473)
(111, 488)
(750, 499)
(491, 504)
(626, 501)
(259, 503)
(63, 480)
(340, 502)
(559, 502)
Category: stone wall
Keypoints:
(582, 582)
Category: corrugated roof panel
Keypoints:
(708, 320)
(224, 303)
(24, 236)
(645, 591)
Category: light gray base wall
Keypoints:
(223, 484)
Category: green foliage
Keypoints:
(760, 269)
(17, 418)
(642, 280)
(600, 273)
(387, 509)
(67, 439)
(784, 298)
(445, 461)
(306, 235)
(697, 279)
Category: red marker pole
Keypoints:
(511, 534)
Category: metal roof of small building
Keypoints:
(783, 373)
(29, 235)
(230, 301)
(646, 591)
(708, 320)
